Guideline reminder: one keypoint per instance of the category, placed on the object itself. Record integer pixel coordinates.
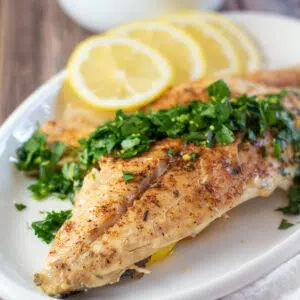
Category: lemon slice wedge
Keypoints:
(161, 254)
(182, 51)
(249, 53)
(221, 56)
(117, 73)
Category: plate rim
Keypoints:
(225, 284)
(8, 288)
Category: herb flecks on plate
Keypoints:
(293, 207)
(285, 224)
(36, 153)
(20, 206)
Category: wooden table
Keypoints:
(36, 39)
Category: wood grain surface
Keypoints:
(36, 39)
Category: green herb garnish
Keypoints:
(212, 122)
(285, 224)
(171, 152)
(61, 183)
(47, 228)
(277, 149)
(265, 152)
(218, 91)
(189, 166)
(36, 156)
(35, 153)
(293, 207)
(193, 156)
(216, 121)
(224, 135)
(128, 176)
(20, 206)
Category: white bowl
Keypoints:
(100, 15)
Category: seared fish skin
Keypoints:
(181, 203)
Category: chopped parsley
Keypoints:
(193, 156)
(224, 135)
(218, 91)
(293, 207)
(38, 157)
(265, 152)
(36, 154)
(171, 152)
(61, 183)
(277, 149)
(47, 228)
(20, 206)
(204, 123)
(285, 224)
(189, 166)
(128, 176)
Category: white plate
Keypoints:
(225, 257)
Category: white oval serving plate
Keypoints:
(225, 257)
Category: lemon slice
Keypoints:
(182, 51)
(221, 56)
(249, 54)
(161, 254)
(117, 73)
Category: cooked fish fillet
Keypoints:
(115, 225)
(179, 205)
(68, 132)
(288, 77)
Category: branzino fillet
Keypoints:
(181, 203)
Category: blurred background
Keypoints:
(37, 37)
